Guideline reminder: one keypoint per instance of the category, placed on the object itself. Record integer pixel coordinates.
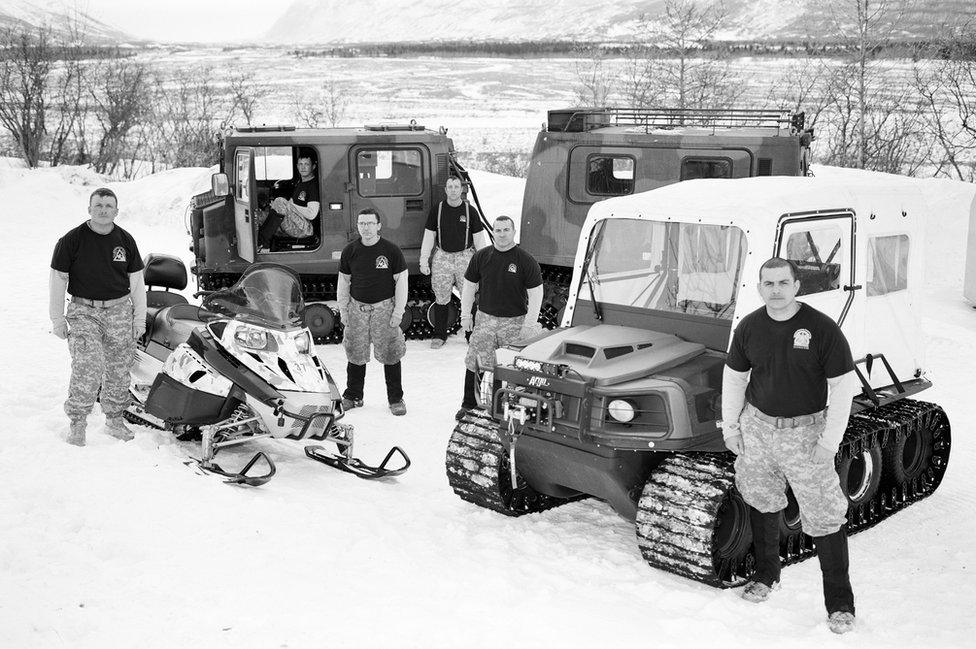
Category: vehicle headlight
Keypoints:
(525, 364)
(621, 410)
(251, 338)
(303, 342)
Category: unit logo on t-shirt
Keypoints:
(382, 262)
(463, 218)
(801, 339)
(512, 268)
(118, 254)
(301, 195)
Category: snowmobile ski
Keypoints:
(356, 466)
(242, 476)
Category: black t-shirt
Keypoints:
(372, 269)
(790, 360)
(305, 192)
(98, 265)
(504, 279)
(457, 225)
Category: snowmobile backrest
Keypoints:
(164, 271)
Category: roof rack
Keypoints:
(265, 128)
(586, 119)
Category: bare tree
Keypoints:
(120, 102)
(671, 62)
(335, 101)
(595, 80)
(246, 94)
(307, 111)
(26, 61)
(190, 113)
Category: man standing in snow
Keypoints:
(372, 297)
(455, 226)
(99, 264)
(782, 360)
(509, 284)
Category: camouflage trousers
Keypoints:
(292, 225)
(447, 271)
(102, 350)
(370, 324)
(773, 458)
(490, 333)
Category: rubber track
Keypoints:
(677, 514)
(477, 470)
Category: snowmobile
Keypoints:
(238, 368)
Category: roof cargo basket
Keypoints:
(579, 120)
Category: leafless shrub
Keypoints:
(595, 80)
(120, 102)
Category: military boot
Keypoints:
(76, 433)
(116, 427)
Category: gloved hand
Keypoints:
(530, 330)
(60, 328)
(735, 444)
(467, 322)
(425, 267)
(822, 455)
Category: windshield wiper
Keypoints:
(594, 243)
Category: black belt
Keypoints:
(366, 308)
(99, 304)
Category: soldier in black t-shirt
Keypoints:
(372, 297)
(298, 216)
(509, 283)
(455, 226)
(782, 360)
(99, 264)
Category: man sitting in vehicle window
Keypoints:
(296, 216)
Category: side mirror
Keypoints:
(220, 185)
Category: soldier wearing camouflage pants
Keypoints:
(782, 360)
(509, 284)
(455, 227)
(99, 264)
(372, 297)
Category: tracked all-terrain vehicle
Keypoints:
(586, 155)
(623, 401)
(398, 169)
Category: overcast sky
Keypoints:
(188, 20)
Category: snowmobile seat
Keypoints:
(172, 325)
(167, 272)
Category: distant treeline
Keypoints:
(915, 49)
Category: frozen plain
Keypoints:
(121, 545)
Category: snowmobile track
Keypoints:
(477, 470)
(686, 515)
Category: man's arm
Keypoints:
(426, 248)
(734, 385)
(531, 326)
(481, 239)
(58, 286)
(467, 304)
(137, 290)
(841, 392)
(399, 298)
(342, 296)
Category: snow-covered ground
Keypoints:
(121, 545)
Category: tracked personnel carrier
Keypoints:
(586, 155)
(398, 169)
(622, 402)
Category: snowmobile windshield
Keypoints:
(266, 293)
(687, 268)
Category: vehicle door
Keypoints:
(394, 179)
(245, 189)
(821, 246)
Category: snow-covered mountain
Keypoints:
(340, 21)
(64, 18)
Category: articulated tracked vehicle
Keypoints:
(399, 170)
(623, 401)
(586, 155)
